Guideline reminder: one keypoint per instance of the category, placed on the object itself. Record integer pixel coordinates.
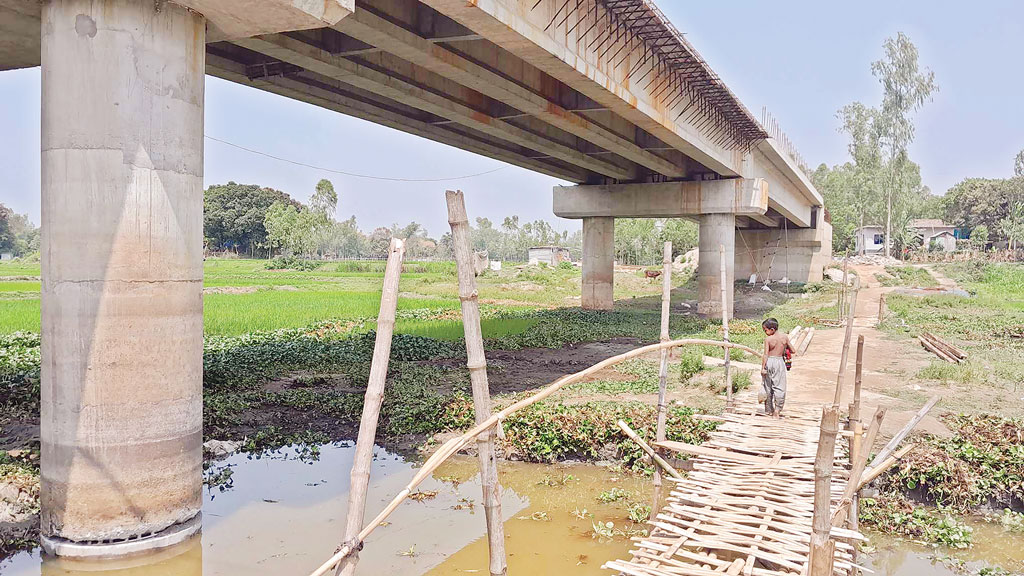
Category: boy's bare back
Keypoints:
(776, 343)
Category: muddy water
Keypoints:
(282, 515)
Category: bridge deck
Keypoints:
(747, 508)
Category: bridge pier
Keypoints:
(715, 230)
(598, 263)
(122, 310)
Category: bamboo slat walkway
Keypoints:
(734, 514)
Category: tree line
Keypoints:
(256, 221)
(18, 235)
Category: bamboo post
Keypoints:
(857, 378)
(842, 511)
(881, 309)
(360, 479)
(842, 288)
(666, 295)
(477, 364)
(822, 547)
(650, 451)
(841, 377)
(725, 324)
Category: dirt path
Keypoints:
(889, 366)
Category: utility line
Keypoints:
(352, 174)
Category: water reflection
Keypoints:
(185, 559)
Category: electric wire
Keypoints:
(352, 174)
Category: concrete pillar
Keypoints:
(122, 332)
(598, 263)
(715, 230)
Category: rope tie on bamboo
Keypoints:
(499, 427)
(454, 222)
(480, 366)
(469, 298)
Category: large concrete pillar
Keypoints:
(598, 263)
(715, 230)
(122, 211)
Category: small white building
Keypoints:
(550, 255)
(6, 256)
(869, 240)
(933, 229)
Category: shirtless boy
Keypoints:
(773, 368)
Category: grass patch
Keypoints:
(911, 276)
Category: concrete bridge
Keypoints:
(604, 94)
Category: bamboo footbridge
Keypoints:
(746, 507)
(765, 496)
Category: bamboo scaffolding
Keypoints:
(360, 475)
(666, 297)
(454, 445)
(477, 364)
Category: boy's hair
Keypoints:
(770, 324)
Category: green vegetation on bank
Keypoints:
(912, 276)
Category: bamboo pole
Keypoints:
(857, 378)
(650, 451)
(477, 364)
(360, 476)
(856, 473)
(453, 446)
(666, 296)
(725, 324)
(881, 309)
(822, 548)
(842, 288)
(895, 441)
(841, 377)
(881, 467)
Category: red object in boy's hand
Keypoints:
(788, 357)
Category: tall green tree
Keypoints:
(324, 200)
(906, 87)
(6, 233)
(234, 214)
(1018, 164)
(292, 230)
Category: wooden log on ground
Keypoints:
(822, 548)
(666, 296)
(361, 462)
(946, 347)
(936, 350)
(477, 364)
(658, 460)
(895, 441)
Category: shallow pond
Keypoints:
(282, 515)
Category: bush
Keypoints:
(292, 263)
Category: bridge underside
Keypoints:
(605, 94)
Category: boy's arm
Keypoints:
(790, 346)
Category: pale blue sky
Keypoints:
(803, 60)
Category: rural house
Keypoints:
(551, 255)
